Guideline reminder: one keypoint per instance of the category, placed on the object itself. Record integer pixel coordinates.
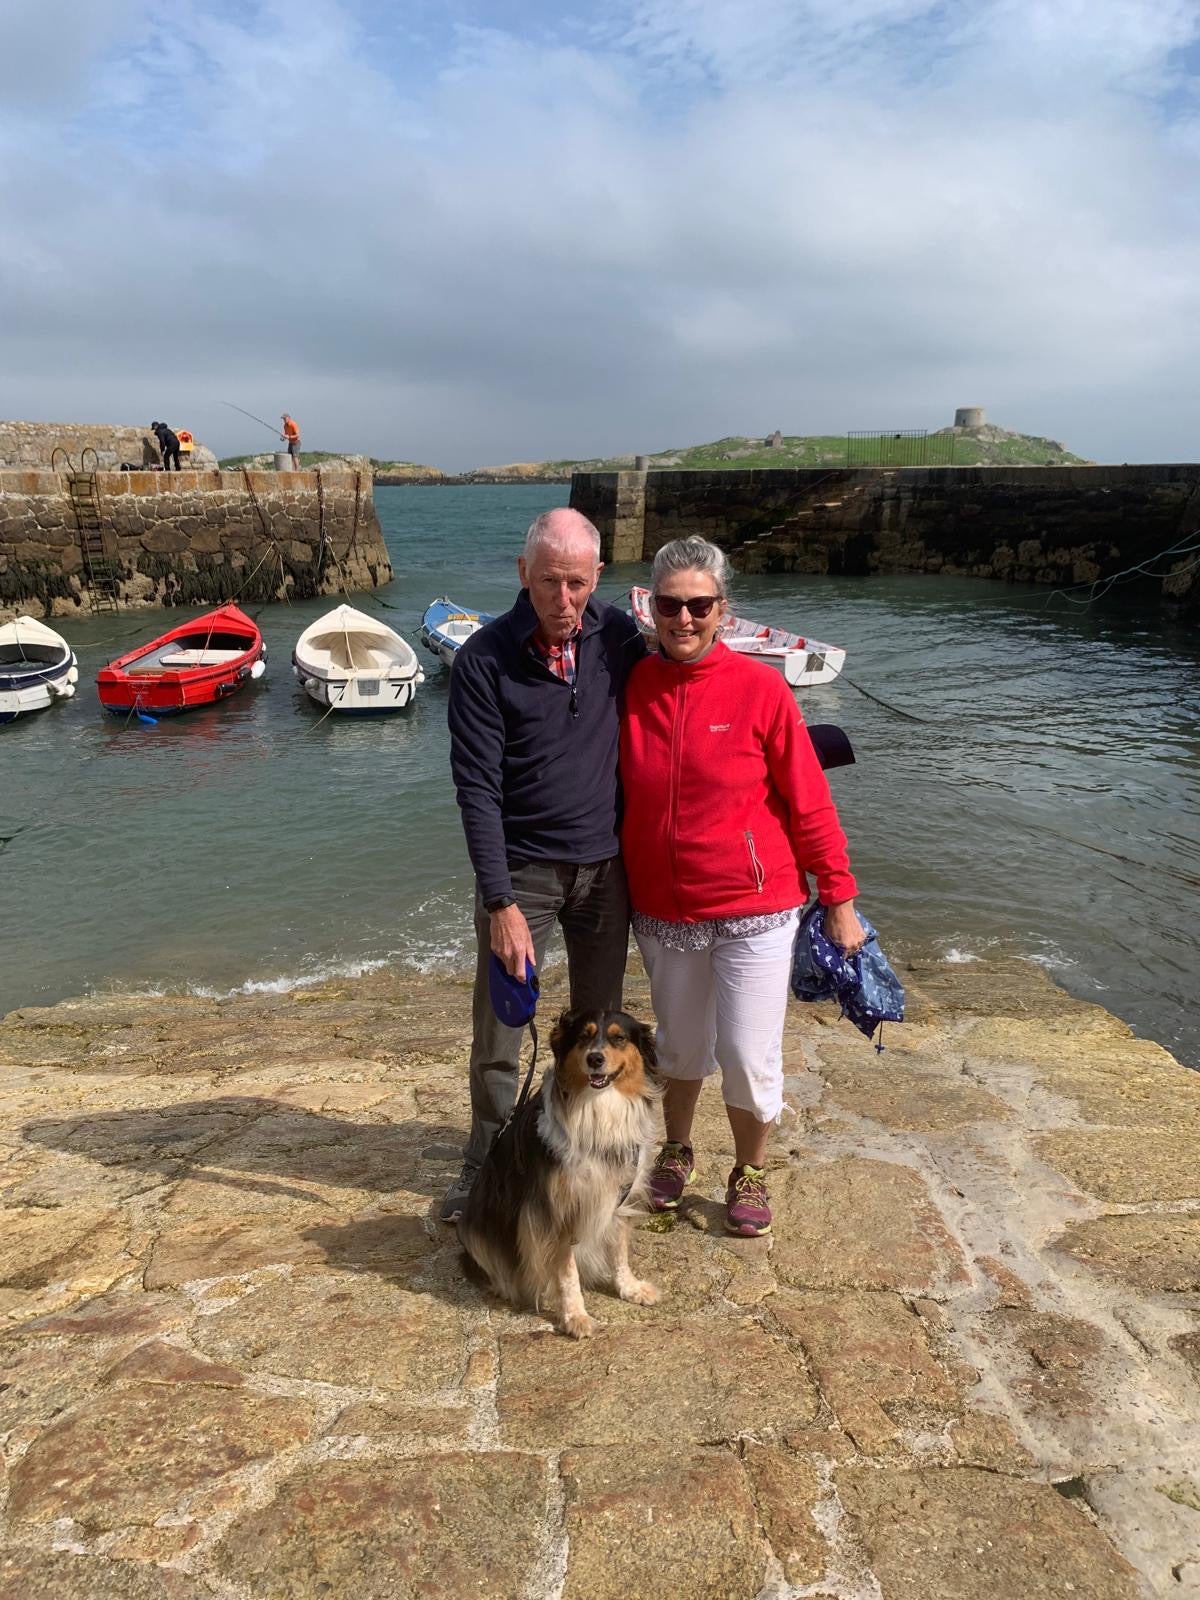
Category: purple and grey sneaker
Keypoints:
(670, 1175)
(746, 1209)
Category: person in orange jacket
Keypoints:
(291, 433)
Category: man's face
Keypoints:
(560, 576)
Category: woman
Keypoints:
(726, 810)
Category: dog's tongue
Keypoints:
(599, 1080)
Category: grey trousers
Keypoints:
(591, 903)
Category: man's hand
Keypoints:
(511, 940)
(843, 928)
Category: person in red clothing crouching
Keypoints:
(726, 812)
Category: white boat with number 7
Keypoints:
(37, 667)
(802, 661)
(356, 664)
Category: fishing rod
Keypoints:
(252, 417)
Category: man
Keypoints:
(534, 722)
(168, 445)
(291, 432)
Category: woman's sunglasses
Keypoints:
(699, 608)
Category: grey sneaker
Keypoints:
(456, 1194)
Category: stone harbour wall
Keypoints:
(33, 445)
(1051, 525)
(190, 538)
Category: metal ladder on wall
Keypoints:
(100, 570)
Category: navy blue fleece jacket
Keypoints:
(535, 759)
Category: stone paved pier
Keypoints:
(241, 1361)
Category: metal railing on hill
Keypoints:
(899, 447)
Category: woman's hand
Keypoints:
(843, 928)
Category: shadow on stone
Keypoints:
(257, 1144)
(706, 1215)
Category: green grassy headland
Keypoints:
(983, 447)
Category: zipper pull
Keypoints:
(574, 703)
(759, 874)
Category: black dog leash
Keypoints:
(524, 1094)
(521, 1098)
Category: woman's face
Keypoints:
(687, 637)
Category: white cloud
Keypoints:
(701, 220)
(50, 47)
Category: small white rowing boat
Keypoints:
(802, 661)
(37, 667)
(357, 664)
(445, 628)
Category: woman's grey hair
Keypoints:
(558, 524)
(692, 555)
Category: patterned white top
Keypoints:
(702, 935)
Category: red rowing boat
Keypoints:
(197, 663)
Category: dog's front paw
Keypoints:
(639, 1292)
(579, 1325)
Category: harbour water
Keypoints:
(1030, 786)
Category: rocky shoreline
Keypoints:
(241, 1358)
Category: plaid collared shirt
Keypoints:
(560, 658)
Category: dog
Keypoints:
(547, 1211)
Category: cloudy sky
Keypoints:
(465, 233)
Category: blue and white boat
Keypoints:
(446, 627)
(37, 667)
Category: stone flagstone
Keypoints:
(243, 1361)
(130, 1454)
(684, 1513)
(963, 1535)
(873, 1363)
(853, 1223)
(734, 1378)
(446, 1527)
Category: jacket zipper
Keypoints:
(553, 677)
(673, 788)
(759, 875)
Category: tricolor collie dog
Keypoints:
(547, 1211)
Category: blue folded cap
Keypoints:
(514, 1000)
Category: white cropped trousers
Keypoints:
(724, 1008)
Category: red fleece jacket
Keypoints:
(726, 805)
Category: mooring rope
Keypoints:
(254, 502)
(909, 716)
(1183, 546)
(271, 549)
(283, 584)
(329, 711)
(320, 525)
(353, 545)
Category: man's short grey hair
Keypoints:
(542, 530)
(691, 555)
